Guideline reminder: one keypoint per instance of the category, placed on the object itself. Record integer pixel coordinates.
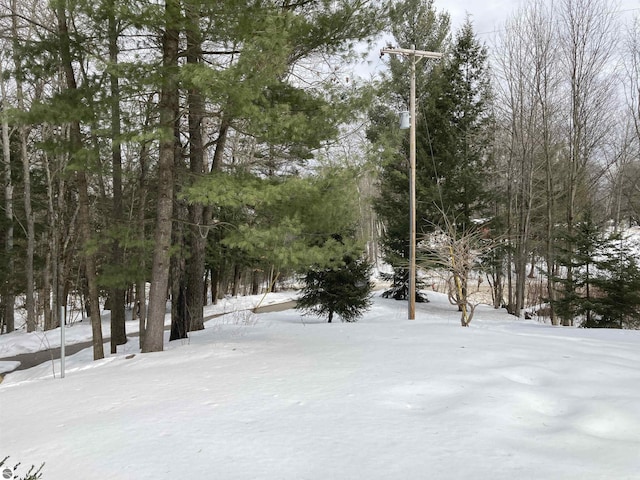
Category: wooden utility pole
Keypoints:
(414, 55)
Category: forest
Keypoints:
(192, 149)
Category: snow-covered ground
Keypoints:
(280, 396)
(20, 341)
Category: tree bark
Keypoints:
(168, 110)
(117, 294)
(141, 280)
(197, 229)
(28, 211)
(179, 311)
(84, 218)
(7, 300)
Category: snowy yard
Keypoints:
(279, 396)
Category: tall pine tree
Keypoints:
(413, 23)
(454, 136)
(453, 139)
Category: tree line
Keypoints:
(527, 153)
(210, 148)
(171, 144)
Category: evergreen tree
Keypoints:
(413, 22)
(452, 148)
(454, 137)
(617, 284)
(344, 289)
(288, 221)
(263, 105)
(399, 289)
(603, 289)
(575, 295)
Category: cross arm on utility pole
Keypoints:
(410, 52)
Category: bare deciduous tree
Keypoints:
(587, 45)
(458, 253)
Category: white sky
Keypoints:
(489, 16)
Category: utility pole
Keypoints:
(414, 55)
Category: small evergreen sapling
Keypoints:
(344, 290)
(617, 282)
(399, 289)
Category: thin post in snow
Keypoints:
(62, 339)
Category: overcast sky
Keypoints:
(488, 18)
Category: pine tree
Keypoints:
(603, 290)
(452, 150)
(617, 284)
(262, 106)
(454, 136)
(286, 221)
(399, 289)
(413, 23)
(344, 289)
(168, 112)
(575, 297)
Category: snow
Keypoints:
(20, 342)
(280, 396)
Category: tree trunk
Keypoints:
(55, 263)
(117, 294)
(140, 306)
(141, 280)
(510, 234)
(215, 285)
(31, 240)
(550, 207)
(197, 229)
(46, 293)
(179, 310)
(237, 275)
(7, 300)
(84, 218)
(255, 282)
(180, 329)
(28, 211)
(168, 111)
